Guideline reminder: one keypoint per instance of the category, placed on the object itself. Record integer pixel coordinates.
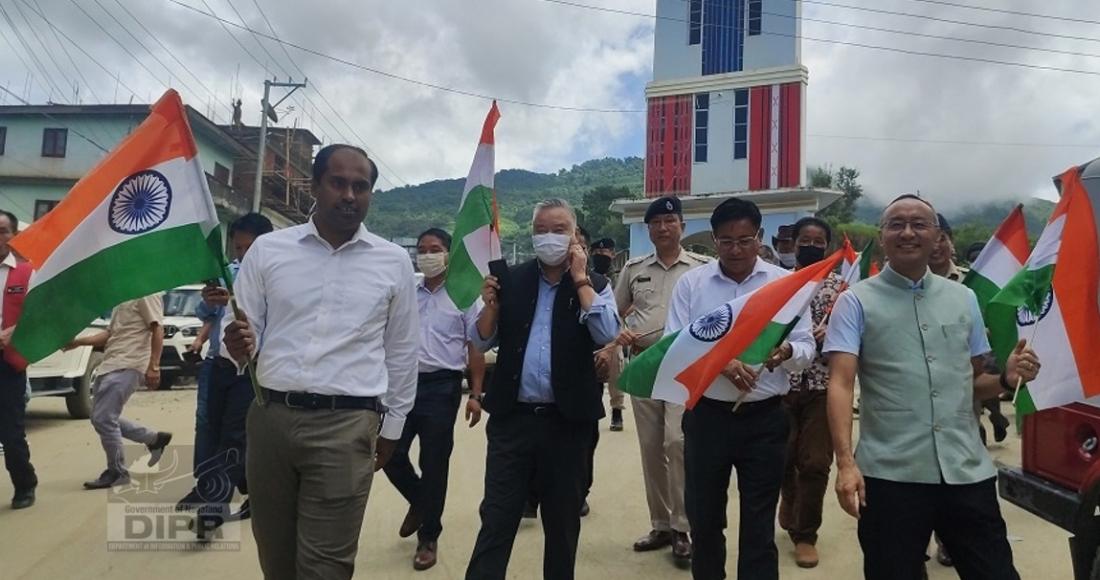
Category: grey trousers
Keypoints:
(111, 392)
(309, 474)
(661, 436)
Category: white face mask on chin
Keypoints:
(551, 249)
(432, 265)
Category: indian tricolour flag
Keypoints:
(1001, 259)
(1053, 304)
(683, 364)
(141, 221)
(857, 265)
(477, 229)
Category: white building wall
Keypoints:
(778, 45)
(673, 57)
(721, 172)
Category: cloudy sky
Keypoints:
(1008, 126)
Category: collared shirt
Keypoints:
(956, 273)
(213, 315)
(333, 321)
(816, 376)
(443, 329)
(705, 288)
(6, 266)
(646, 284)
(601, 320)
(845, 333)
(131, 332)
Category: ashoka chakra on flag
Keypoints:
(140, 203)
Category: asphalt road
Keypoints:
(66, 534)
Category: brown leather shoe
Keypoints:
(681, 547)
(425, 556)
(410, 524)
(654, 540)
(805, 555)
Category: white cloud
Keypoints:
(541, 52)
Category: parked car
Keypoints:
(181, 326)
(69, 374)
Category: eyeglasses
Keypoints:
(744, 243)
(918, 226)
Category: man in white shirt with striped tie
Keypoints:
(332, 326)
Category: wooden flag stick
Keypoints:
(740, 399)
(642, 335)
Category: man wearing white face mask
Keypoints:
(547, 317)
(445, 352)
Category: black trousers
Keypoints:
(13, 434)
(228, 399)
(899, 517)
(432, 419)
(754, 442)
(550, 454)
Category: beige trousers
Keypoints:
(309, 475)
(661, 438)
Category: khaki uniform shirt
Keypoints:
(131, 334)
(646, 284)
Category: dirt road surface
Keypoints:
(65, 534)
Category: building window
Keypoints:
(3, 138)
(221, 173)
(755, 14)
(741, 124)
(53, 142)
(702, 120)
(43, 207)
(695, 21)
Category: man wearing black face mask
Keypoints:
(603, 252)
(809, 447)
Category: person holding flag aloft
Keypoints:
(918, 345)
(739, 423)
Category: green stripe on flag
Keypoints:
(1028, 288)
(464, 279)
(769, 338)
(56, 310)
(640, 374)
(984, 289)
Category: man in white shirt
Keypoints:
(445, 352)
(751, 439)
(332, 327)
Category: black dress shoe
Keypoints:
(156, 448)
(410, 524)
(108, 479)
(616, 419)
(244, 513)
(585, 509)
(190, 501)
(654, 540)
(23, 499)
(681, 547)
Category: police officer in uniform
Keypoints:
(642, 294)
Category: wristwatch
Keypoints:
(478, 397)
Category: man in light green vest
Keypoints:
(917, 343)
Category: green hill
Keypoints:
(407, 211)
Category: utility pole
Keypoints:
(268, 112)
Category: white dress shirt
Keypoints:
(705, 288)
(443, 329)
(330, 321)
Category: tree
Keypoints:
(846, 179)
(596, 216)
